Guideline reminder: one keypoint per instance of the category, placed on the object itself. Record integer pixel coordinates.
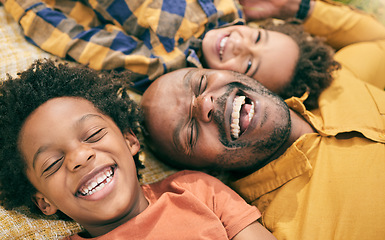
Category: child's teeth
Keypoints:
(221, 46)
(92, 187)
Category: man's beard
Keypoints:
(266, 146)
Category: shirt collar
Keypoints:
(291, 164)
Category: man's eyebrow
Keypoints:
(187, 78)
(45, 147)
(176, 135)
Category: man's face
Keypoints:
(79, 161)
(267, 56)
(209, 118)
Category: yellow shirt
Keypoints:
(358, 37)
(329, 184)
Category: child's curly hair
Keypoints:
(45, 80)
(313, 72)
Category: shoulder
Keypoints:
(195, 182)
(192, 177)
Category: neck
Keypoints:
(299, 127)
(95, 230)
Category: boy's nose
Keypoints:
(79, 157)
(203, 108)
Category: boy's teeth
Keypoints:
(97, 183)
(235, 128)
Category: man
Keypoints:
(315, 175)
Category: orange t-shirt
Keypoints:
(187, 205)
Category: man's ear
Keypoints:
(133, 142)
(43, 204)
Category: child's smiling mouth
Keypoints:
(96, 183)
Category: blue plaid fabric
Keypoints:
(148, 37)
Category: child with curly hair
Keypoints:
(68, 142)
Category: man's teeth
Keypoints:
(97, 183)
(222, 46)
(235, 128)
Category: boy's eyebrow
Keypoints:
(40, 150)
(85, 117)
(77, 123)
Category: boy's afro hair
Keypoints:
(45, 80)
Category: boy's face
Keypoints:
(267, 56)
(80, 163)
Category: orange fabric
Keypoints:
(189, 204)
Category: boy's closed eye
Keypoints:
(92, 136)
(52, 168)
(95, 135)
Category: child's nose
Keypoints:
(240, 46)
(79, 156)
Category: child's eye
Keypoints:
(249, 63)
(54, 167)
(96, 136)
(259, 36)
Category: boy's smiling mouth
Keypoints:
(96, 183)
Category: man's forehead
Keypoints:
(180, 78)
(171, 86)
(187, 77)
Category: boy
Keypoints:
(68, 143)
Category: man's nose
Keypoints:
(203, 108)
(79, 156)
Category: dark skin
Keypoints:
(72, 136)
(280, 56)
(68, 145)
(190, 126)
(80, 146)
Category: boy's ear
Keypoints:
(43, 204)
(133, 142)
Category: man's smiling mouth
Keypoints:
(243, 112)
(97, 182)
